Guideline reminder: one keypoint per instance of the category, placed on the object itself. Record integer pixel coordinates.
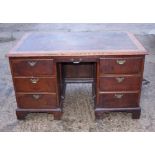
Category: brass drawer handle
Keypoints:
(120, 79)
(34, 80)
(118, 96)
(76, 62)
(121, 62)
(36, 96)
(32, 63)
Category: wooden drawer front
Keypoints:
(35, 84)
(118, 100)
(36, 101)
(32, 67)
(121, 65)
(119, 83)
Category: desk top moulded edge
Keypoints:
(140, 50)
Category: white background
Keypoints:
(86, 11)
(77, 143)
(77, 11)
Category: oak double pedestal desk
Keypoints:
(43, 63)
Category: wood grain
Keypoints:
(53, 59)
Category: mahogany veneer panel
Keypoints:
(43, 101)
(31, 67)
(120, 83)
(110, 100)
(82, 70)
(132, 65)
(35, 84)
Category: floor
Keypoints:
(78, 106)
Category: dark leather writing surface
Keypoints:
(77, 41)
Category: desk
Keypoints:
(42, 63)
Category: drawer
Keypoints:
(36, 84)
(36, 101)
(76, 59)
(32, 67)
(119, 83)
(125, 65)
(118, 100)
